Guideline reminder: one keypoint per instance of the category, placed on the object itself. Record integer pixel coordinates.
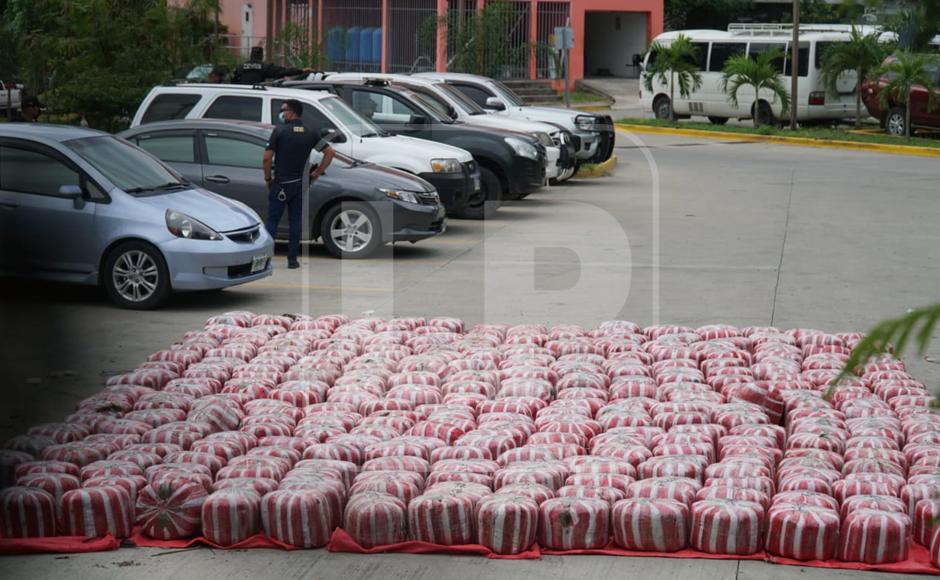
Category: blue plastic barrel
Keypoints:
(365, 44)
(352, 44)
(376, 45)
(335, 44)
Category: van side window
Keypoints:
(169, 106)
(757, 48)
(804, 60)
(235, 108)
(721, 52)
(701, 55)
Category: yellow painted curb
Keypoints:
(794, 141)
(599, 170)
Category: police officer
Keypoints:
(30, 109)
(289, 148)
(256, 71)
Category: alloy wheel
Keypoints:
(135, 276)
(351, 230)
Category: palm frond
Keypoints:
(889, 336)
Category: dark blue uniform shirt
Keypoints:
(292, 143)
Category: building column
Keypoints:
(533, 38)
(576, 54)
(441, 57)
(320, 23)
(384, 65)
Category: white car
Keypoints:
(449, 169)
(593, 134)
(559, 152)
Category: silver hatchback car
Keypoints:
(83, 206)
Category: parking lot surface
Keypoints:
(685, 231)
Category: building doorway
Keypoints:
(610, 41)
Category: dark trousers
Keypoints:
(294, 202)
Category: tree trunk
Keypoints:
(907, 116)
(858, 101)
(672, 96)
(756, 113)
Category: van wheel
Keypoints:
(765, 114)
(896, 121)
(135, 276)
(486, 205)
(351, 230)
(662, 108)
(718, 120)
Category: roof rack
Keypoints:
(779, 29)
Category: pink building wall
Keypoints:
(266, 23)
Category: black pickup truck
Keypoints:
(512, 165)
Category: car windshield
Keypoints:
(358, 125)
(126, 166)
(506, 93)
(466, 105)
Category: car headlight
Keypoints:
(184, 226)
(522, 148)
(544, 138)
(400, 195)
(585, 122)
(446, 166)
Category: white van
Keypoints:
(450, 169)
(814, 101)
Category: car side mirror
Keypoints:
(75, 193)
(332, 136)
(495, 104)
(418, 121)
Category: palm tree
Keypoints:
(672, 63)
(900, 76)
(861, 53)
(762, 72)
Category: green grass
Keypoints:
(820, 133)
(593, 170)
(586, 97)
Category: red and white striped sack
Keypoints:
(872, 502)
(537, 493)
(259, 485)
(656, 525)
(375, 519)
(735, 493)
(441, 518)
(690, 466)
(507, 524)
(807, 498)
(912, 494)
(230, 516)
(300, 518)
(875, 537)
(94, 512)
(337, 451)
(390, 484)
(574, 523)
(56, 484)
(32, 467)
(803, 532)
(727, 527)
(130, 483)
(168, 512)
(681, 489)
(608, 494)
(458, 476)
(926, 513)
(613, 480)
(27, 512)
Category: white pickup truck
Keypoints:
(11, 95)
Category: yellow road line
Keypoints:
(781, 140)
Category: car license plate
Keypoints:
(258, 263)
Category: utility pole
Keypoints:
(795, 64)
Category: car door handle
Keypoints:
(8, 206)
(218, 179)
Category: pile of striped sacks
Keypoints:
(663, 438)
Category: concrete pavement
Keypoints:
(737, 233)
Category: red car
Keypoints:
(893, 118)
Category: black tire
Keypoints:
(136, 268)
(340, 246)
(487, 205)
(765, 114)
(895, 122)
(718, 120)
(662, 108)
